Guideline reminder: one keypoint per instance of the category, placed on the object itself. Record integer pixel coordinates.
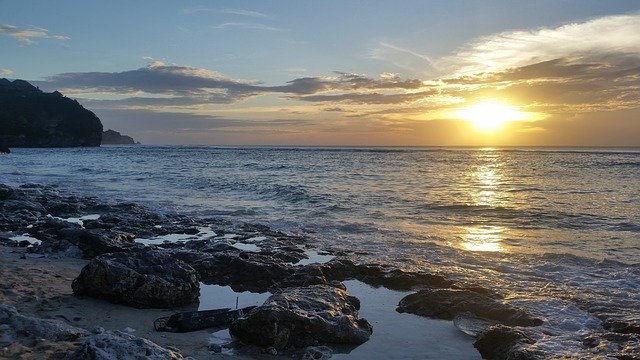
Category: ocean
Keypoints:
(557, 229)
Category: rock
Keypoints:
(32, 118)
(4, 149)
(119, 345)
(299, 317)
(112, 137)
(240, 270)
(315, 353)
(53, 330)
(501, 342)
(447, 303)
(140, 279)
(93, 244)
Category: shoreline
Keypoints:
(242, 256)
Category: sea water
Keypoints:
(557, 229)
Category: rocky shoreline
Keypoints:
(117, 254)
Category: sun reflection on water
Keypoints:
(483, 238)
(486, 179)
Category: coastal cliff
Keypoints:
(112, 137)
(30, 117)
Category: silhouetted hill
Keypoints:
(111, 137)
(32, 118)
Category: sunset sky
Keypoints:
(419, 73)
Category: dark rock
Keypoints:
(56, 248)
(501, 342)
(8, 242)
(93, 244)
(53, 330)
(24, 243)
(299, 317)
(119, 345)
(240, 270)
(4, 149)
(447, 303)
(32, 118)
(5, 192)
(141, 279)
(111, 137)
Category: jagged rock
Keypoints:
(240, 270)
(32, 118)
(122, 346)
(447, 303)
(299, 317)
(53, 330)
(501, 342)
(141, 279)
(112, 137)
(93, 244)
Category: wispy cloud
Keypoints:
(5, 72)
(231, 11)
(246, 26)
(243, 12)
(27, 36)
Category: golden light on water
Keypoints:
(486, 180)
(483, 238)
(490, 115)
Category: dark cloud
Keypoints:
(368, 98)
(613, 82)
(186, 85)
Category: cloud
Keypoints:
(5, 72)
(175, 85)
(243, 12)
(27, 35)
(607, 35)
(231, 11)
(246, 26)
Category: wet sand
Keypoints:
(41, 287)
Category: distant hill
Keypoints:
(32, 118)
(112, 137)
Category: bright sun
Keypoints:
(490, 115)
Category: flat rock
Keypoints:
(121, 346)
(141, 279)
(501, 342)
(447, 303)
(306, 316)
(53, 330)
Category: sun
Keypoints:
(490, 115)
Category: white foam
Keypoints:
(27, 237)
(205, 232)
(78, 220)
(315, 258)
(246, 247)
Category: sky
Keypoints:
(370, 73)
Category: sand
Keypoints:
(41, 287)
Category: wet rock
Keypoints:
(300, 317)
(397, 279)
(56, 249)
(501, 342)
(5, 192)
(119, 345)
(315, 353)
(53, 330)
(8, 242)
(93, 244)
(447, 303)
(141, 279)
(240, 270)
